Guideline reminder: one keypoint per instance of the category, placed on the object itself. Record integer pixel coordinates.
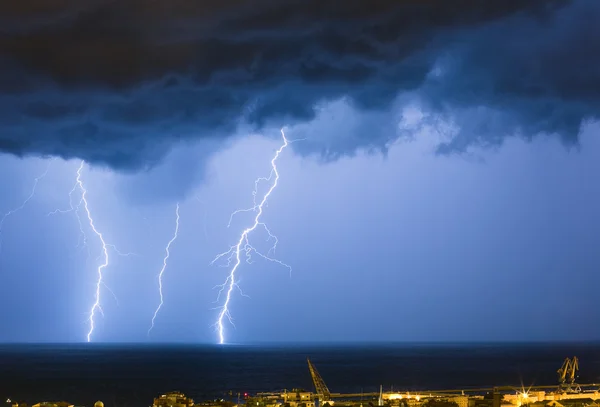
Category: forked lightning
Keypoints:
(96, 306)
(29, 197)
(243, 244)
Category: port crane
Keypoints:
(320, 386)
(567, 375)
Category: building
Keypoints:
(53, 404)
(173, 399)
(299, 398)
(539, 398)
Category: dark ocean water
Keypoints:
(131, 375)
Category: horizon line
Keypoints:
(317, 343)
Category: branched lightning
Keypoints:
(29, 197)
(75, 208)
(233, 255)
(99, 282)
(96, 307)
(162, 271)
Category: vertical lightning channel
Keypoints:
(75, 208)
(29, 197)
(96, 305)
(162, 270)
(243, 244)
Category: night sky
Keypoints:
(443, 185)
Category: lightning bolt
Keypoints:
(83, 202)
(75, 208)
(96, 305)
(243, 244)
(29, 197)
(162, 271)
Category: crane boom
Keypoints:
(564, 370)
(567, 375)
(320, 386)
(574, 369)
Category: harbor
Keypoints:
(567, 392)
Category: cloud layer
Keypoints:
(119, 83)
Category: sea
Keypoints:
(131, 375)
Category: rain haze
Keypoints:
(440, 181)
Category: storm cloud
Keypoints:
(121, 83)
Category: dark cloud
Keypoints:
(182, 169)
(119, 82)
(521, 76)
